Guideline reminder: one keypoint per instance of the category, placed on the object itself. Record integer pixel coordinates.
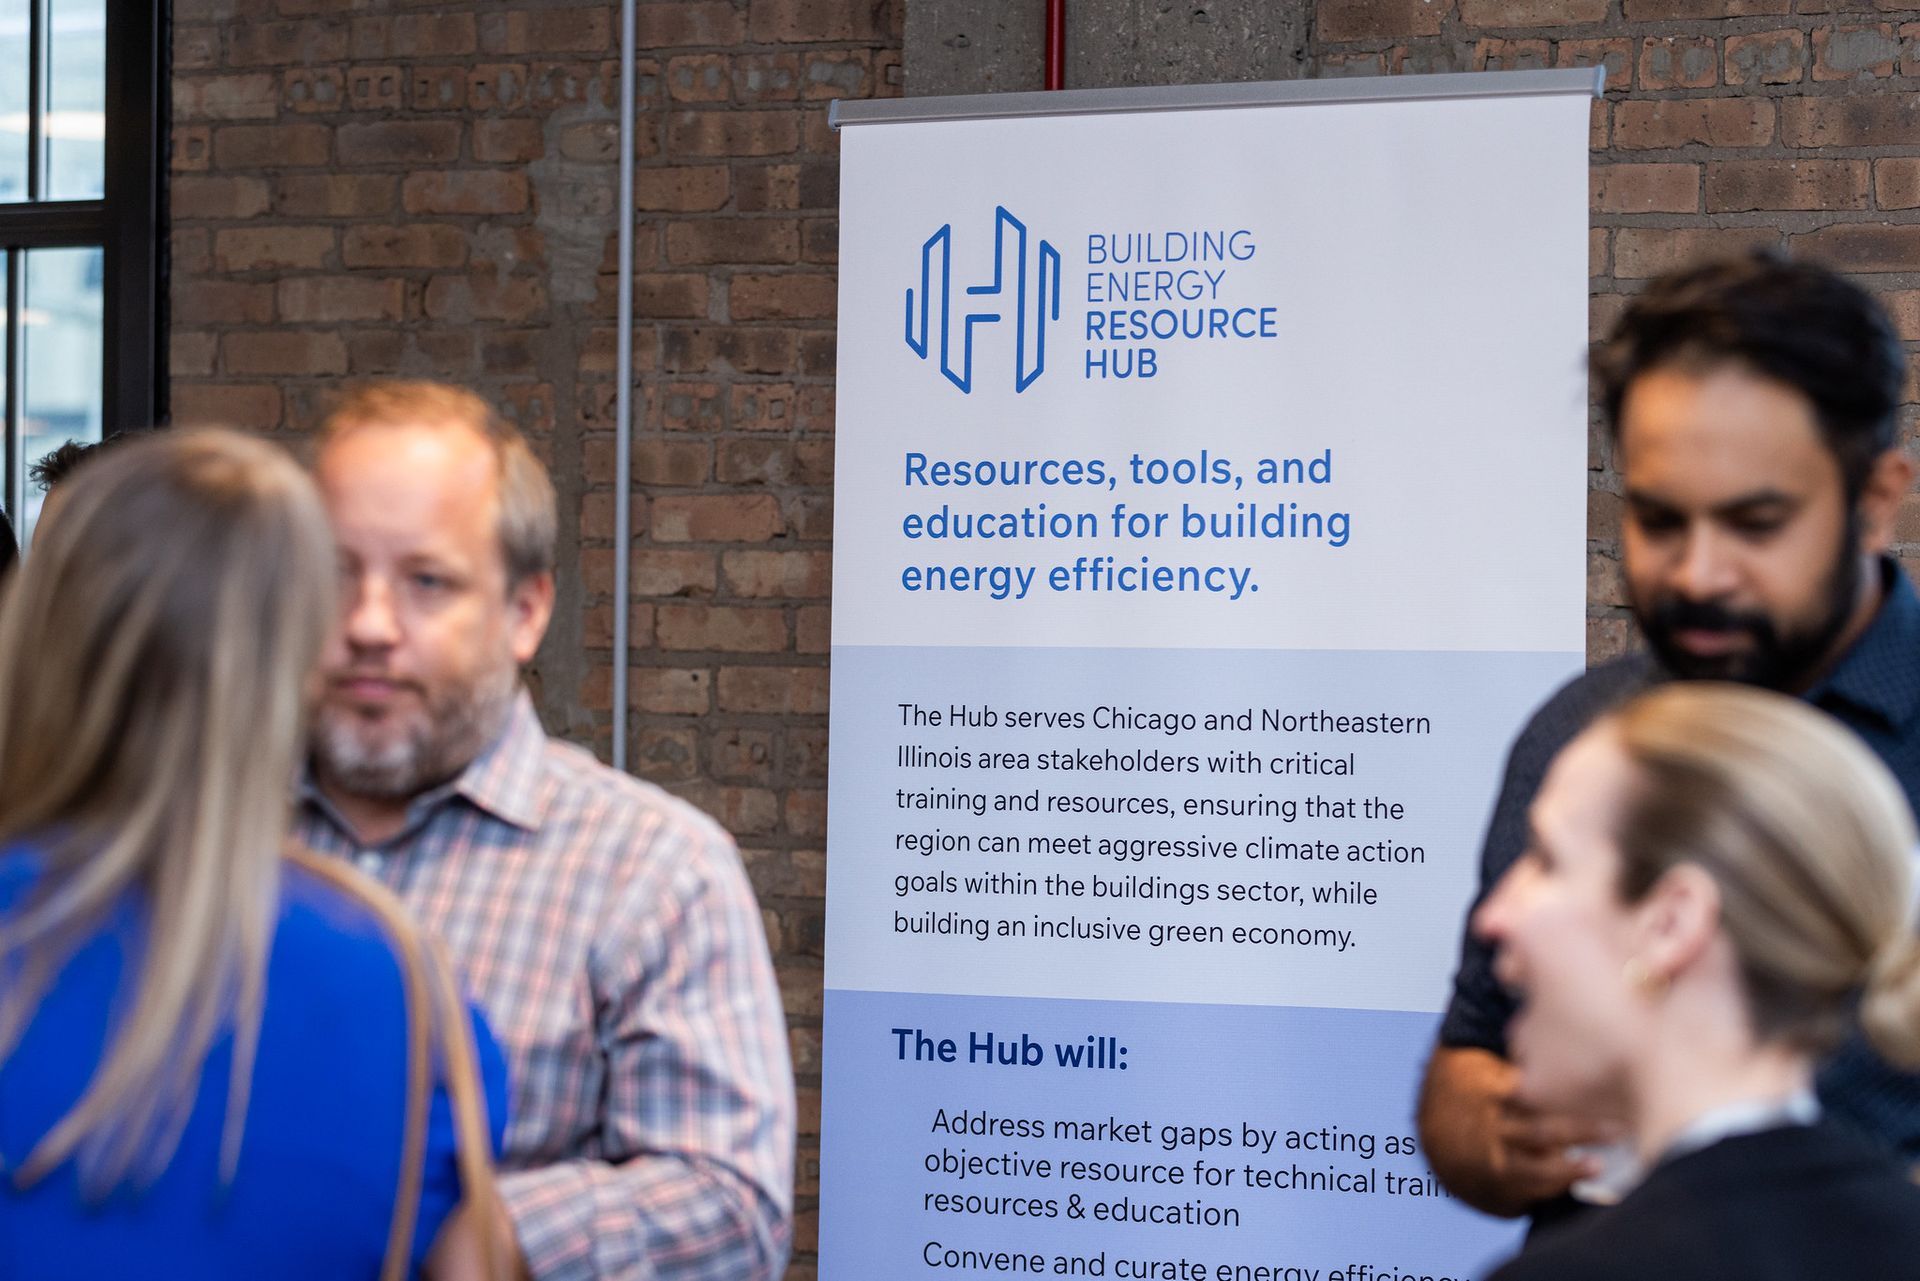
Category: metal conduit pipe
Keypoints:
(623, 395)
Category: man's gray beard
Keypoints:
(453, 734)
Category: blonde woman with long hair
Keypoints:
(215, 1060)
(1718, 882)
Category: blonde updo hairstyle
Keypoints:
(1810, 842)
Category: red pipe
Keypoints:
(1056, 44)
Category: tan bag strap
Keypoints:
(432, 1003)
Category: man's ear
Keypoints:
(1878, 509)
(529, 609)
(1678, 919)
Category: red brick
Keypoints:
(1638, 188)
(1615, 55)
(192, 355)
(307, 300)
(679, 24)
(1658, 123)
(195, 48)
(271, 146)
(438, 89)
(732, 133)
(783, 573)
(1896, 182)
(1678, 62)
(762, 407)
(1532, 13)
(699, 77)
(820, 240)
(734, 349)
(334, 195)
(790, 296)
(681, 463)
(1767, 58)
(400, 142)
(1642, 252)
(691, 406)
(465, 191)
(766, 77)
(588, 30)
(681, 188)
(1511, 55)
(374, 88)
(459, 299)
(724, 628)
(1852, 120)
(272, 248)
(791, 21)
(496, 86)
(1910, 49)
(314, 90)
(1597, 251)
(1669, 10)
(812, 629)
(596, 142)
(1854, 53)
(415, 245)
(260, 44)
(1863, 246)
(791, 691)
(508, 142)
(197, 197)
(746, 811)
(769, 188)
(665, 754)
(670, 295)
(1379, 19)
(673, 691)
(556, 84)
(190, 149)
(1737, 186)
(837, 73)
(284, 351)
(199, 303)
(415, 35)
(718, 518)
(737, 240)
(765, 461)
(661, 572)
(742, 755)
(249, 406)
(246, 97)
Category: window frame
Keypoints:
(127, 224)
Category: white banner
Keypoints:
(1210, 511)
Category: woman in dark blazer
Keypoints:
(1718, 881)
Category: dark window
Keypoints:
(80, 331)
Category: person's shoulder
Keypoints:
(584, 787)
(329, 936)
(1576, 704)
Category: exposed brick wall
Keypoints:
(365, 187)
(1726, 124)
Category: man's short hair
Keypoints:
(1797, 324)
(528, 514)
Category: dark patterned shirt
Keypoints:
(1874, 690)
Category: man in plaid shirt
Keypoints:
(607, 928)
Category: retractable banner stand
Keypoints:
(1210, 512)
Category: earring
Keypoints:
(1636, 974)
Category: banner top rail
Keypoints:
(1263, 93)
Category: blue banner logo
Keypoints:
(1036, 303)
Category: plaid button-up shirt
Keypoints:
(609, 933)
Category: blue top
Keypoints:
(319, 1162)
(1874, 690)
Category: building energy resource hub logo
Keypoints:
(1143, 291)
(1034, 283)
